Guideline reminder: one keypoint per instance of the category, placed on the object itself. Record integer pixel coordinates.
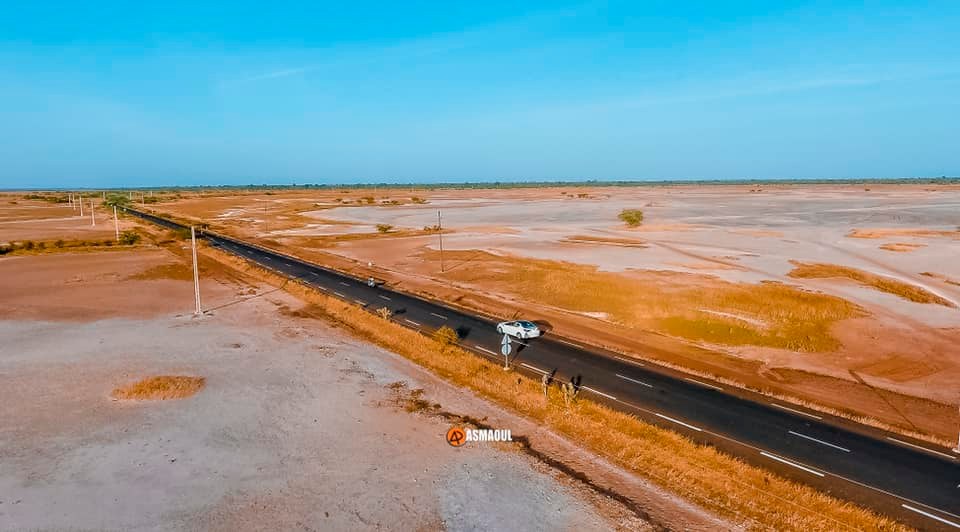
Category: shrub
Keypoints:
(59, 243)
(384, 313)
(446, 336)
(368, 199)
(41, 245)
(631, 217)
(28, 245)
(384, 228)
(129, 238)
(418, 200)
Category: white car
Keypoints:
(519, 329)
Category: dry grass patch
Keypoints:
(902, 247)
(612, 241)
(723, 484)
(178, 271)
(900, 233)
(691, 306)
(160, 388)
(878, 282)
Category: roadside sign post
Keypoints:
(505, 349)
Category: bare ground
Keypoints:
(297, 427)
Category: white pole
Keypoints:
(116, 223)
(196, 273)
(81, 205)
(93, 219)
(440, 236)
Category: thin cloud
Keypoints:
(270, 75)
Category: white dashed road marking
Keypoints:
(411, 322)
(384, 297)
(438, 315)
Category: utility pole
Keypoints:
(116, 223)
(93, 219)
(81, 205)
(196, 272)
(440, 236)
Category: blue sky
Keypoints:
(151, 93)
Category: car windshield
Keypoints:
(526, 325)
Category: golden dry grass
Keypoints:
(901, 247)
(613, 241)
(884, 284)
(178, 271)
(686, 305)
(900, 233)
(160, 388)
(720, 483)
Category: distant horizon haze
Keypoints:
(116, 94)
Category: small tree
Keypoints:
(129, 238)
(446, 336)
(384, 313)
(117, 200)
(631, 217)
(384, 228)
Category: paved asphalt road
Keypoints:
(909, 480)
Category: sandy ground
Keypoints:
(298, 426)
(745, 234)
(42, 221)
